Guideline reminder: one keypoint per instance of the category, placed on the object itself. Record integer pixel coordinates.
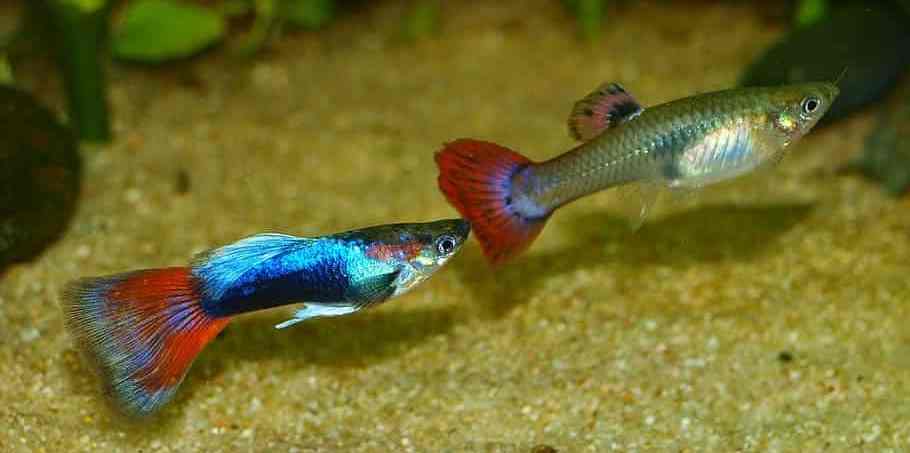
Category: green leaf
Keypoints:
(235, 8)
(809, 12)
(423, 19)
(262, 28)
(589, 16)
(308, 13)
(159, 30)
(6, 71)
(86, 6)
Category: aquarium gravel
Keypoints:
(768, 314)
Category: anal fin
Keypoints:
(310, 311)
(362, 294)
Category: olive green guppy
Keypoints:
(683, 144)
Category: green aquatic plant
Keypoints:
(79, 30)
(588, 14)
(190, 29)
(271, 16)
(422, 20)
(82, 36)
(310, 14)
(809, 12)
(6, 71)
(149, 31)
(193, 28)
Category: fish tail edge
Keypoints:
(141, 332)
(476, 178)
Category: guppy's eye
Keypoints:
(445, 244)
(810, 104)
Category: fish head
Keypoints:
(793, 110)
(439, 241)
(418, 250)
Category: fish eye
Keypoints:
(810, 104)
(445, 244)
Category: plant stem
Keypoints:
(81, 34)
(809, 12)
(422, 20)
(590, 13)
(6, 71)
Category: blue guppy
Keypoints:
(142, 329)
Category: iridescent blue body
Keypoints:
(333, 275)
(308, 270)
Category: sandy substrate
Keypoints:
(763, 315)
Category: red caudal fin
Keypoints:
(141, 330)
(476, 178)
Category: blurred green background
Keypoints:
(83, 34)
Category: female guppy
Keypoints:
(143, 329)
(683, 144)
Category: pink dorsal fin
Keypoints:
(605, 107)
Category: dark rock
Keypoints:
(40, 172)
(886, 155)
(870, 40)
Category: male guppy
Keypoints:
(143, 329)
(683, 144)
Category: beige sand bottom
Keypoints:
(768, 314)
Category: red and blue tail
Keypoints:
(142, 330)
(476, 178)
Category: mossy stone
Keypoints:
(886, 155)
(40, 173)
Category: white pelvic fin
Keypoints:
(317, 311)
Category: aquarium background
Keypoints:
(764, 314)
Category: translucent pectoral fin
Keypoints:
(318, 311)
(373, 289)
(682, 196)
(648, 196)
(638, 201)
